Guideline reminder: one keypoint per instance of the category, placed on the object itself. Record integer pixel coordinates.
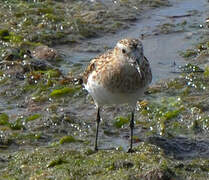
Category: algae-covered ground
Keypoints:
(47, 123)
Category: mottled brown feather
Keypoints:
(96, 64)
(110, 71)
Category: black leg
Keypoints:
(132, 128)
(97, 130)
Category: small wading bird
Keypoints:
(119, 76)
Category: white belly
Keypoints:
(103, 96)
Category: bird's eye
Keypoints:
(123, 51)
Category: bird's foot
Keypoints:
(130, 150)
(96, 149)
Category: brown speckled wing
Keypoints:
(95, 63)
(91, 67)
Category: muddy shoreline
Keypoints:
(46, 118)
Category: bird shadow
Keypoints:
(181, 148)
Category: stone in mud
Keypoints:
(122, 165)
(44, 53)
(158, 174)
(181, 148)
(16, 70)
(5, 141)
(39, 65)
(203, 58)
(10, 54)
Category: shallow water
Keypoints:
(161, 49)
(173, 118)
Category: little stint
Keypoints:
(119, 76)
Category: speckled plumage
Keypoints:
(118, 76)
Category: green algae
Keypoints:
(206, 71)
(166, 109)
(156, 3)
(189, 53)
(33, 117)
(199, 52)
(43, 22)
(64, 91)
(189, 68)
(17, 124)
(56, 162)
(60, 163)
(52, 73)
(67, 139)
(163, 113)
(121, 121)
(166, 28)
(177, 107)
(26, 137)
(1, 73)
(4, 80)
(4, 34)
(4, 119)
(172, 112)
(43, 84)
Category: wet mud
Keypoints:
(47, 119)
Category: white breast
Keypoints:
(103, 96)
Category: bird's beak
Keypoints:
(139, 60)
(136, 58)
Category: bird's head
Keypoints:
(130, 50)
